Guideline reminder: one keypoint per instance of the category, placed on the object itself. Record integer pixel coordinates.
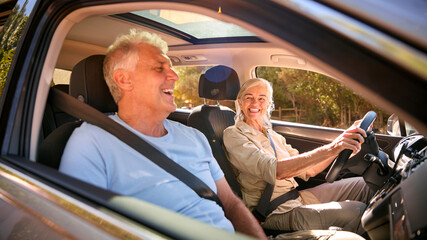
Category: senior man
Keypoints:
(141, 80)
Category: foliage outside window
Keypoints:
(61, 76)
(186, 91)
(187, 88)
(312, 98)
(9, 36)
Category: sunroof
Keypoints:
(196, 25)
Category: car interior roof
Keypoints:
(89, 37)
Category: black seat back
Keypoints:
(88, 85)
(218, 83)
(53, 117)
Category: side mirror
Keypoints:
(397, 127)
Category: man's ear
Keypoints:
(122, 79)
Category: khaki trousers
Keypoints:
(342, 205)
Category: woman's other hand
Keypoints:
(352, 139)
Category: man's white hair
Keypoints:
(124, 54)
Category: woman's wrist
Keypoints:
(331, 149)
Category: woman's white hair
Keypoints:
(124, 54)
(244, 88)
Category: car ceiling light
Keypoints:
(194, 58)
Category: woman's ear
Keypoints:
(271, 107)
(122, 80)
(239, 102)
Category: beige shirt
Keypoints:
(254, 164)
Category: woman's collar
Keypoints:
(246, 128)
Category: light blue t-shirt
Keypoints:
(95, 156)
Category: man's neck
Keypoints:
(146, 124)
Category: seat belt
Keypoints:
(80, 110)
(265, 206)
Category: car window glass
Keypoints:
(186, 91)
(10, 34)
(312, 98)
(61, 76)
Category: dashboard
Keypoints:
(398, 209)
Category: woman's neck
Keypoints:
(257, 125)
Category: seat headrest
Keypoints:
(88, 85)
(219, 83)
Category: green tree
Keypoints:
(272, 74)
(187, 88)
(320, 99)
(9, 37)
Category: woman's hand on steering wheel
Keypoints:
(352, 139)
(347, 142)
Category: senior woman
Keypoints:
(254, 160)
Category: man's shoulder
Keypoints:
(181, 127)
(91, 129)
(183, 130)
(88, 130)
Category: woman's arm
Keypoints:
(315, 161)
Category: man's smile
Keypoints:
(168, 91)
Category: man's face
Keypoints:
(154, 81)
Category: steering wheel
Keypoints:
(342, 158)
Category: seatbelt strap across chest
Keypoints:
(265, 206)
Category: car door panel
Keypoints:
(306, 137)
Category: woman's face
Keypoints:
(254, 103)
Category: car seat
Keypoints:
(53, 117)
(88, 85)
(218, 83)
